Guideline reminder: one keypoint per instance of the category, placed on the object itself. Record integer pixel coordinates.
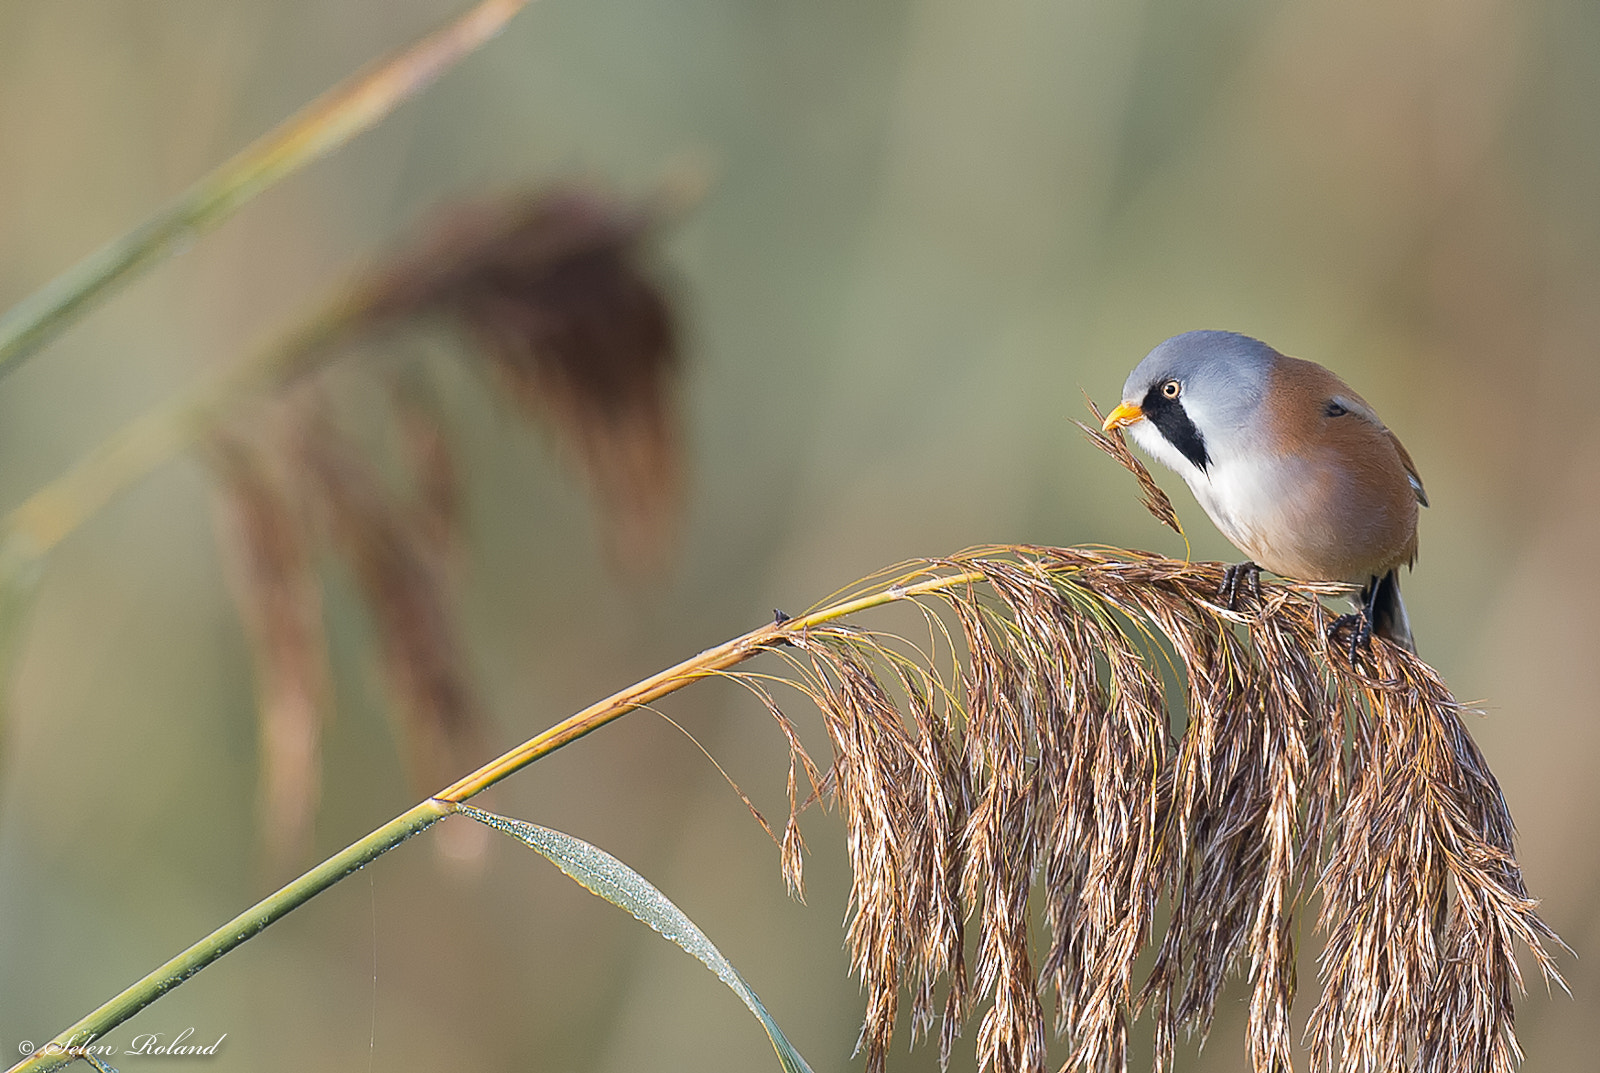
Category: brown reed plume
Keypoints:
(293, 485)
(1032, 742)
(552, 289)
(272, 576)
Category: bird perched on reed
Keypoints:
(1294, 468)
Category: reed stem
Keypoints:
(69, 1044)
(325, 124)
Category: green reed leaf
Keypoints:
(603, 874)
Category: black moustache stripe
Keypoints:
(1172, 421)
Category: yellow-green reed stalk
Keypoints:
(322, 126)
(71, 1042)
(39, 523)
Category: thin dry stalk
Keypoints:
(1051, 754)
(1115, 444)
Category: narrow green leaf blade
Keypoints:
(604, 875)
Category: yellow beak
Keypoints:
(1126, 413)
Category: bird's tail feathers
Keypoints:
(1389, 619)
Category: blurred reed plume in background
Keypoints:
(1193, 816)
(549, 290)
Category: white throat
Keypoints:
(1240, 497)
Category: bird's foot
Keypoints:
(1236, 577)
(1360, 627)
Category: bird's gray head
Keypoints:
(1198, 394)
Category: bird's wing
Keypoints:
(1411, 469)
(1357, 405)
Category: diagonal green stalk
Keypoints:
(32, 529)
(322, 126)
(61, 1050)
(65, 1047)
(36, 525)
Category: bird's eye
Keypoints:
(1171, 389)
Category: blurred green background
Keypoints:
(932, 225)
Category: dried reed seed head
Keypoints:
(1292, 771)
(431, 460)
(793, 844)
(1114, 444)
(274, 585)
(553, 288)
(290, 479)
(402, 579)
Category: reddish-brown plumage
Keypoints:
(1352, 514)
